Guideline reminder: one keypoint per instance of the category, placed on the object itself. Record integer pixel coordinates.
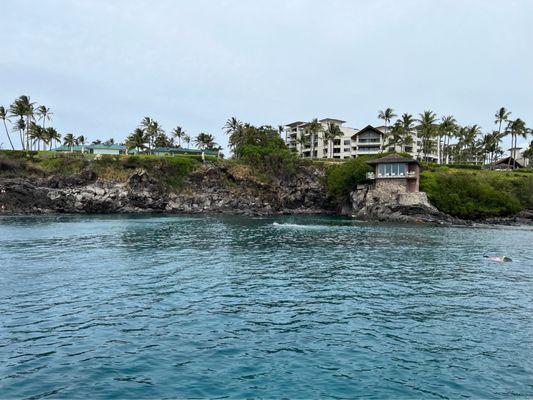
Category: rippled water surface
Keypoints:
(151, 307)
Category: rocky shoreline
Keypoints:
(218, 189)
(211, 189)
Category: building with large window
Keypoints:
(352, 143)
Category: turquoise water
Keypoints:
(165, 307)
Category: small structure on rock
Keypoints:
(395, 173)
(393, 193)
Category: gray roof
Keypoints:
(392, 158)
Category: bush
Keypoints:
(473, 196)
(343, 178)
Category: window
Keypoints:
(347, 142)
(401, 169)
(388, 169)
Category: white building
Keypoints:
(353, 142)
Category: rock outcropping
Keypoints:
(213, 188)
(382, 204)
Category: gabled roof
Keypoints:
(368, 128)
(391, 159)
(508, 161)
(331, 120)
(294, 124)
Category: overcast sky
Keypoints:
(103, 65)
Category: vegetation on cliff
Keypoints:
(473, 194)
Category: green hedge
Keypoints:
(477, 195)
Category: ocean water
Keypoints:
(228, 307)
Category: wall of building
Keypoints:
(349, 145)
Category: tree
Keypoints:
(178, 133)
(235, 130)
(386, 115)
(137, 140)
(81, 140)
(528, 154)
(70, 141)
(313, 128)
(161, 140)
(427, 130)
(36, 135)
(491, 145)
(501, 116)
(332, 132)
(205, 141)
(18, 109)
(44, 114)
(28, 107)
(516, 128)
(447, 129)
(52, 136)
(151, 129)
(187, 139)
(396, 136)
(20, 126)
(303, 141)
(4, 117)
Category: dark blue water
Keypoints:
(154, 307)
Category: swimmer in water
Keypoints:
(498, 258)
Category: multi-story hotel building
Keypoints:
(353, 142)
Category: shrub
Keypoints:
(472, 196)
(343, 178)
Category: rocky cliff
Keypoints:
(375, 203)
(211, 188)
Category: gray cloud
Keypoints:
(101, 66)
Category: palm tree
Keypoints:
(137, 140)
(386, 115)
(70, 141)
(81, 140)
(332, 132)
(281, 129)
(18, 109)
(178, 133)
(36, 134)
(205, 141)
(516, 128)
(4, 117)
(28, 106)
(303, 141)
(44, 114)
(447, 130)
(52, 136)
(187, 139)
(501, 116)
(313, 128)
(427, 130)
(20, 126)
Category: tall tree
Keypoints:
(332, 132)
(178, 133)
(70, 141)
(447, 129)
(516, 128)
(81, 140)
(205, 141)
(4, 117)
(386, 115)
(313, 128)
(427, 130)
(187, 139)
(137, 140)
(18, 109)
(53, 136)
(44, 114)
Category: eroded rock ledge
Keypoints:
(210, 189)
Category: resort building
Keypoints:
(108, 149)
(354, 142)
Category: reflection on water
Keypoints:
(139, 306)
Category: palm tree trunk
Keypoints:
(8, 136)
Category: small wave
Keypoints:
(299, 226)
